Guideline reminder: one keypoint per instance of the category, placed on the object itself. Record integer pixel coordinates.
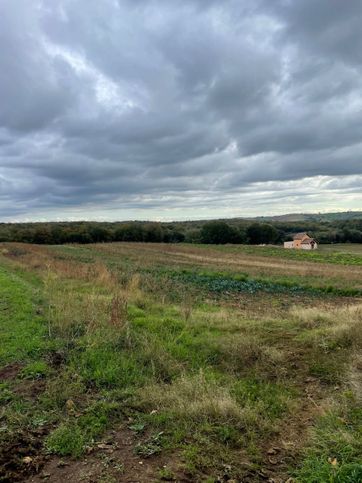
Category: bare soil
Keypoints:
(113, 459)
(10, 372)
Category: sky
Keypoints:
(179, 109)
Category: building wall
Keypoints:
(297, 243)
(289, 244)
(309, 246)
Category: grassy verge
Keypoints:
(22, 327)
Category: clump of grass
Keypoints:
(152, 354)
(67, 439)
(134, 292)
(6, 394)
(328, 370)
(166, 474)
(343, 329)
(119, 311)
(67, 315)
(348, 332)
(269, 399)
(35, 370)
(99, 273)
(240, 353)
(104, 366)
(355, 376)
(312, 317)
(153, 445)
(193, 398)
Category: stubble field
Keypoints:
(149, 362)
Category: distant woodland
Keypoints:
(212, 232)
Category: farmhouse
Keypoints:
(301, 241)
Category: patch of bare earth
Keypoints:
(114, 459)
(21, 452)
(21, 455)
(10, 372)
(283, 451)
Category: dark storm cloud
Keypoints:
(146, 103)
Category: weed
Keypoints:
(119, 311)
(137, 427)
(166, 474)
(153, 445)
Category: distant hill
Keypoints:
(339, 216)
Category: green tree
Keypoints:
(218, 233)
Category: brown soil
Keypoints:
(21, 455)
(29, 389)
(113, 460)
(283, 451)
(10, 372)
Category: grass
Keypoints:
(22, 329)
(335, 451)
(339, 254)
(72, 437)
(211, 365)
(35, 370)
(221, 282)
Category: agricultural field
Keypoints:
(135, 362)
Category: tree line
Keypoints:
(212, 232)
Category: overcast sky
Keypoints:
(179, 109)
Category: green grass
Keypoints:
(342, 254)
(23, 333)
(221, 282)
(35, 370)
(336, 450)
(73, 436)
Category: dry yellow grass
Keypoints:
(340, 325)
(355, 376)
(196, 398)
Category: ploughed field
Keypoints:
(149, 362)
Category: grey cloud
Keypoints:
(160, 104)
